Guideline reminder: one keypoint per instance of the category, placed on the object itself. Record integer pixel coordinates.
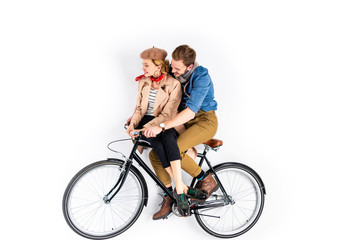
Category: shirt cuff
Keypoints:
(193, 107)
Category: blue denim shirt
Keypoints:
(198, 92)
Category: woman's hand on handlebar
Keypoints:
(129, 129)
(128, 120)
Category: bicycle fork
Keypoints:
(124, 170)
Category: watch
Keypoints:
(162, 125)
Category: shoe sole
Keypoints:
(163, 217)
(214, 190)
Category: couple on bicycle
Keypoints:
(176, 113)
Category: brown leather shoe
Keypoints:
(208, 184)
(165, 209)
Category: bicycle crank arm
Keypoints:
(205, 215)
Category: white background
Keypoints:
(286, 76)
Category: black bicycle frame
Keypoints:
(211, 170)
(133, 155)
(127, 165)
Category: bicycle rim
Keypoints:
(233, 219)
(84, 206)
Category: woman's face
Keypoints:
(149, 67)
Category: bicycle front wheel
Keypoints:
(84, 205)
(246, 191)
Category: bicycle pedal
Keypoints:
(197, 201)
(168, 216)
(205, 215)
(216, 196)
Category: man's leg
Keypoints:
(191, 137)
(165, 209)
(158, 168)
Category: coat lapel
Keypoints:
(160, 97)
(145, 97)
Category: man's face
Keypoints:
(179, 68)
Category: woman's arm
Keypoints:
(129, 119)
(136, 117)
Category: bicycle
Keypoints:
(105, 198)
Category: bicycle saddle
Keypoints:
(213, 143)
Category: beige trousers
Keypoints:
(198, 130)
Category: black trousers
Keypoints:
(164, 144)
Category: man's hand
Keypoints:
(152, 131)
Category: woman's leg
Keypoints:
(192, 152)
(176, 169)
(169, 141)
(158, 147)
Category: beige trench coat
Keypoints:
(166, 104)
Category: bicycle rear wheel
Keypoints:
(247, 192)
(84, 205)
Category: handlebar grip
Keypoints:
(136, 133)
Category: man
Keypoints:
(197, 113)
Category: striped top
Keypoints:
(150, 110)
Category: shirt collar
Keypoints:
(186, 76)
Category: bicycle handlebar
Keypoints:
(134, 133)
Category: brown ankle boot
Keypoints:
(165, 209)
(208, 184)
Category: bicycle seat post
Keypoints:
(206, 150)
(203, 154)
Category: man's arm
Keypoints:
(183, 117)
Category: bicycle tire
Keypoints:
(246, 188)
(84, 207)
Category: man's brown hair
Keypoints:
(185, 53)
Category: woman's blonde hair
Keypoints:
(165, 65)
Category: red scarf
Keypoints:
(151, 77)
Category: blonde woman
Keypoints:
(159, 96)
